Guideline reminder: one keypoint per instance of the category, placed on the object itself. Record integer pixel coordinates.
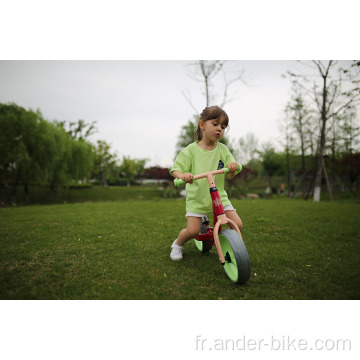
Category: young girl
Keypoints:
(203, 155)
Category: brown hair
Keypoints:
(211, 113)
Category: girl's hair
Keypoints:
(211, 113)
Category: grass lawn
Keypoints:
(120, 250)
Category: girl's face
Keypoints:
(213, 130)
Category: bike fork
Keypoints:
(219, 219)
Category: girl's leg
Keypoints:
(192, 230)
(232, 215)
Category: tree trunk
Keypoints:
(311, 185)
(288, 172)
(26, 191)
(317, 186)
(14, 194)
(52, 195)
(328, 182)
(207, 91)
(303, 166)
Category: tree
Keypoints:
(336, 92)
(132, 168)
(103, 161)
(287, 132)
(205, 71)
(157, 173)
(298, 132)
(300, 115)
(248, 149)
(246, 175)
(33, 150)
(17, 128)
(61, 153)
(271, 162)
(82, 159)
(187, 134)
(350, 132)
(348, 168)
(80, 130)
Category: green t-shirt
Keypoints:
(196, 160)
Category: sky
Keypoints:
(139, 106)
(134, 91)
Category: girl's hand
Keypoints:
(188, 177)
(232, 167)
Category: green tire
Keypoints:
(203, 246)
(237, 263)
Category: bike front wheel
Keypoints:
(237, 263)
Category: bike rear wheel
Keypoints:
(237, 263)
(203, 246)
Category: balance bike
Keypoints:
(229, 244)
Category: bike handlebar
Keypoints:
(179, 182)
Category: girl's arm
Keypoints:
(187, 177)
(232, 168)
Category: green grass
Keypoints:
(120, 250)
(41, 195)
